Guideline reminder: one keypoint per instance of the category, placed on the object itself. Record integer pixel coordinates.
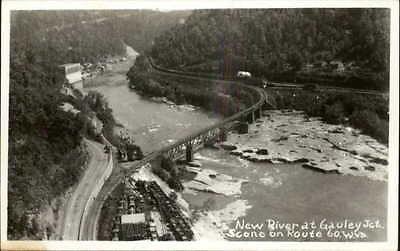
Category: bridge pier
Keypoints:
(243, 127)
(260, 112)
(250, 118)
(189, 152)
(267, 106)
(257, 114)
(223, 134)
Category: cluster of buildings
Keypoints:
(145, 212)
(334, 65)
(75, 73)
(72, 75)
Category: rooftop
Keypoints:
(69, 64)
(132, 218)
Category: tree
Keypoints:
(264, 42)
(166, 163)
(334, 113)
(173, 196)
(295, 60)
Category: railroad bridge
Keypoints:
(216, 133)
(240, 121)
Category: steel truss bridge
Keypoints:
(217, 132)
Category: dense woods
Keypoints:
(215, 96)
(369, 114)
(140, 28)
(46, 154)
(347, 47)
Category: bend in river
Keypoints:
(249, 192)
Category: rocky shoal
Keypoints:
(291, 136)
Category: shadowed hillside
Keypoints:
(46, 154)
(346, 47)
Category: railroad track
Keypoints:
(260, 101)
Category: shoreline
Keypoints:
(211, 223)
(244, 149)
(291, 137)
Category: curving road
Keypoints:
(81, 194)
(90, 228)
(78, 225)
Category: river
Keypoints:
(287, 193)
(152, 124)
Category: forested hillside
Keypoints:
(148, 25)
(348, 47)
(46, 156)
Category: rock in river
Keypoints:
(194, 164)
(262, 152)
(228, 147)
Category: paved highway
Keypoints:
(81, 194)
(90, 228)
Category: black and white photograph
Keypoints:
(152, 125)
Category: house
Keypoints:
(133, 227)
(73, 74)
(243, 74)
(337, 66)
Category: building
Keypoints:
(133, 227)
(73, 74)
(243, 74)
(337, 66)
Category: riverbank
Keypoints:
(261, 181)
(152, 123)
(271, 158)
(368, 112)
(289, 136)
